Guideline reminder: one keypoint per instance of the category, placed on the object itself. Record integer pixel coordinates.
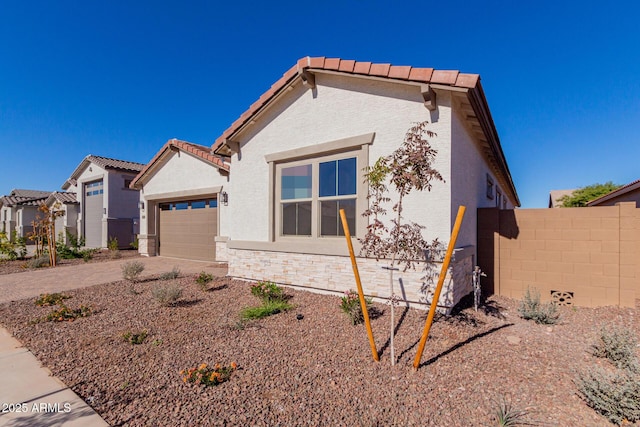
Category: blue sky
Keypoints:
(120, 78)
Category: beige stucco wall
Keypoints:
(339, 107)
(469, 180)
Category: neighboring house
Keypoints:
(180, 194)
(331, 115)
(67, 223)
(108, 208)
(626, 193)
(18, 210)
(555, 197)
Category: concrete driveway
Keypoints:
(30, 284)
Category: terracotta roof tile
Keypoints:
(399, 72)
(362, 67)
(347, 65)
(198, 150)
(317, 62)
(332, 64)
(421, 74)
(467, 80)
(381, 70)
(447, 77)
(407, 73)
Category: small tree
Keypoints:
(408, 168)
(584, 195)
(44, 231)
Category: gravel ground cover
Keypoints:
(18, 266)
(316, 371)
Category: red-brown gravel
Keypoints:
(314, 371)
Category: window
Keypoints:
(94, 188)
(498, 198)
(310, 194)
(489, 187)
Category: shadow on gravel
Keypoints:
(460, 344)
(187, 303)
(395, 331)
(217, 288)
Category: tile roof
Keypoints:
(469, 83)
(104, 162)
(62, 197)
(12, 200)
(617, 192)
(402, 73)
(108, 163)
(29, 193)
(200, 151)
(32, 202)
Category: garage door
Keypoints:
(93, 209)
(188, 229)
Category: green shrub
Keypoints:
(531, 309)
(134, 244)
(167, 294)
(42, 261)
(619, 346)
(268, 308)
(615, 395)
(268, 291)
(169, 275)
(45, 300)
(509, 416)
(131, 270)
(14, 248)
(112, 245)
(65, 313)
(135, 338)
(73, 249)
(350, 304)
(203, 280)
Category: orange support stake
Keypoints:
(363, 304)
(436, 295)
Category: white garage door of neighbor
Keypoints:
(92, 215)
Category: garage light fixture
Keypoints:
(224, 198)
(140, 205)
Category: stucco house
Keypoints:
(68, 205)
(555, 197)
(298, 153)
(107, 207)
(627, 193)
(18, 210)
(181, 197)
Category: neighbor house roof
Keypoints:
(32, 202)
(29, 193)
(435, 79)
(104, 162)
(556, 195)
(62, 197)
(632, 186)
(18, 196)
(200, 151)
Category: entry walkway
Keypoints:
(29, 394)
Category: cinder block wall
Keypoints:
(585, 256)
